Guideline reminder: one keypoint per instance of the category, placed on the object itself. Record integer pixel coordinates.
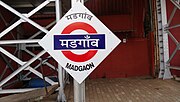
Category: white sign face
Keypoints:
(79, 42)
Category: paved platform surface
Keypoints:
(127, 90)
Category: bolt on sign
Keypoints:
(79, 42)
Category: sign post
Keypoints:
(79, 42)
(79, 89)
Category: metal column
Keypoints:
(61, 96)
(163, 32)
(79, 89)
(163, 39)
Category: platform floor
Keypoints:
(127, 90)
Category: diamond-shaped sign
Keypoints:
(79, 42)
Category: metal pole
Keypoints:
(163, 40)
(61, 97)
(79, 89)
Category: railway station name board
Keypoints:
(79, 42)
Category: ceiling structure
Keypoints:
(25, 6)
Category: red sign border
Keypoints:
(81, 26)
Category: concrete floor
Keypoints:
(127, 90)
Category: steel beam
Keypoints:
(10, 91)
(172, 37)
(6, 24)
(171, 16)
(8, 64)
(27, 74)
(22, 64)
(23, 17)
(172, 55)
(163, 43)
(174, 67)
(41, 76)
(6, 42)
(174, 26)
(27, 15)
(168, 67)
(21, 68)
(176, 3)
(44, 62)
(12, 56)
(39, 32)
(4, 71)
